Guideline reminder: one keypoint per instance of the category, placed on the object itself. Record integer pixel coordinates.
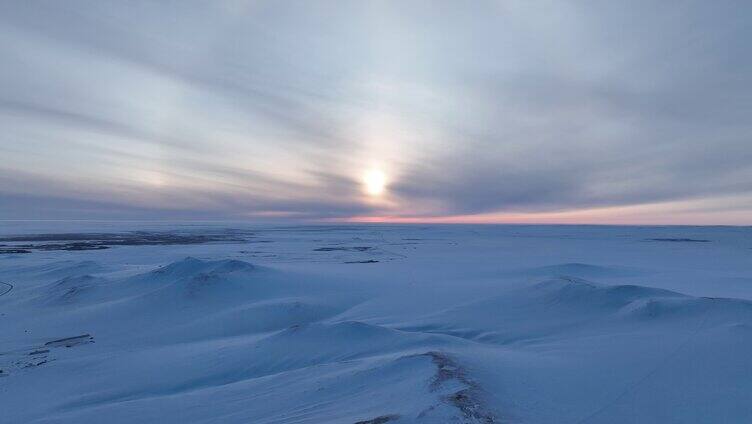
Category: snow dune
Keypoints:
(114, 336)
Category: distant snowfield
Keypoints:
(378, 324)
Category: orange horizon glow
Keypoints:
(651, 214)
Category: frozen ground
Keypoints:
(375, 324)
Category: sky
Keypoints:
(520, 111)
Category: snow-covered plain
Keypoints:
(381, 324)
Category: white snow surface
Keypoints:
(381, 324)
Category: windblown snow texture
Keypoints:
(380, 324)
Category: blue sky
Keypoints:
(490, 111)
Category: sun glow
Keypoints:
(374, 182)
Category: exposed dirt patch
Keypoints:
(379, 420)
(5, 288)
(27, 358)
(469, 399)
(71, 341)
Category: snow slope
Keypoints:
(382, 324)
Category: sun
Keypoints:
(374, 182)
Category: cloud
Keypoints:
(242, 109)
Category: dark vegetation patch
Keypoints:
(79, 245)
(344, 249)
(680, 240)
(369, 261)
(11, 250)
(99, 241)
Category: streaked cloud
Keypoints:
(496, 111)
